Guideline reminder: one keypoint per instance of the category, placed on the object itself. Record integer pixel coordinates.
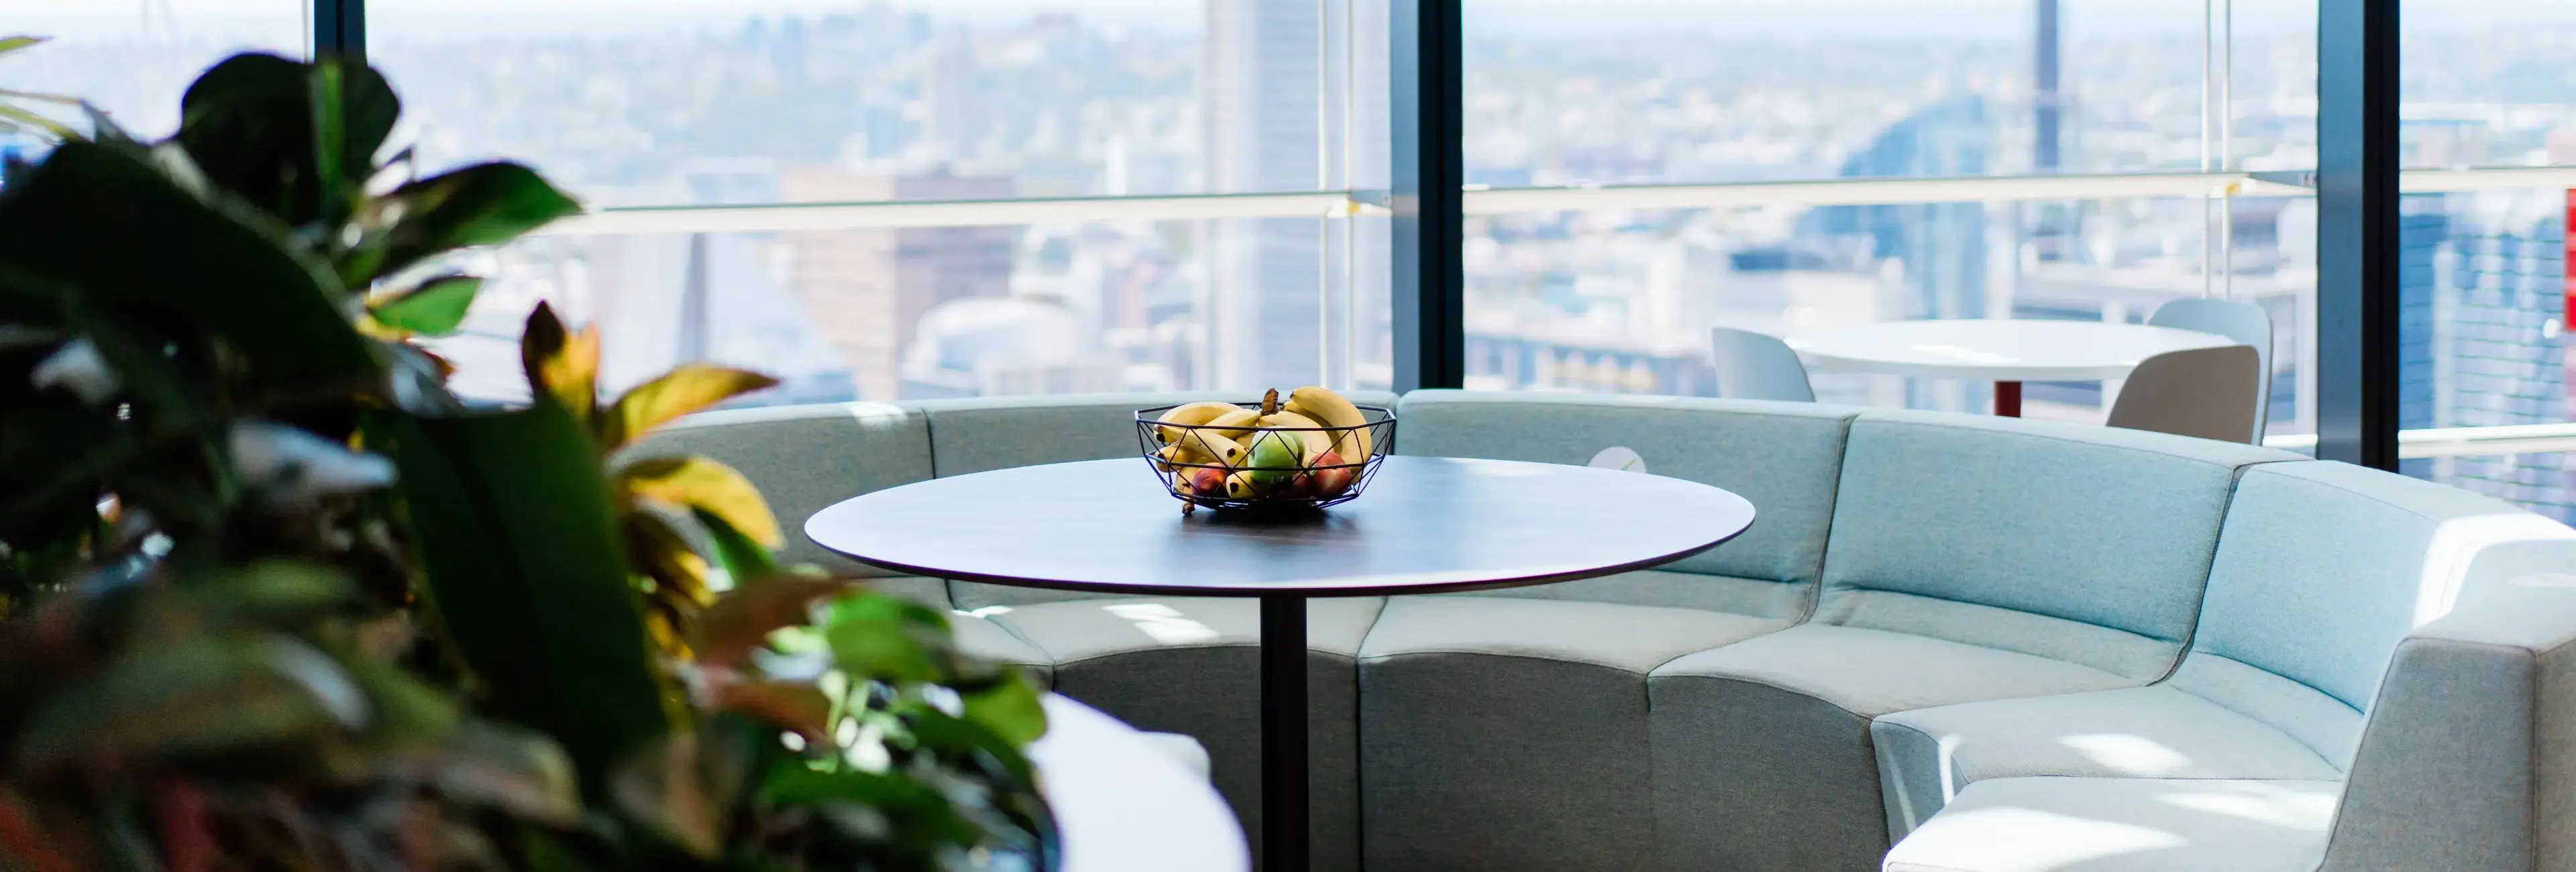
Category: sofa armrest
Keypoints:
(2468, 758)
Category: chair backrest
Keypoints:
(2241, 321)
(1758, 366)
(2206, 392)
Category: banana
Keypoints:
(1241, 486)
(1204, 446)
(1317, 441)
(1235, 424)
(1319, 404)
(1191, 414)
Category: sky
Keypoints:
(1778, 19)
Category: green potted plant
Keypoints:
(275, 598)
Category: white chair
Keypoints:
(2204, 392)
(2241, 321)
(1758, 366)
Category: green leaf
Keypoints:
(13, 43)
(689, 388)
(1010, 709)
(746, 561)
(521, 772)
(879, 637)
(249, 122)
(484, 204)
(435, 308)
(519, 539)
(702, 484)
(104, 221)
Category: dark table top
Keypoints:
(1424, 525)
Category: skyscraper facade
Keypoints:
(1263, 99)
(2482, 336)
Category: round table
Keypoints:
(1122, 804)
(1425, 525)
(2006, 352)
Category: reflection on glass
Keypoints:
(133, 58)
(937, 312)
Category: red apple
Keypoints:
(1330, 477)
(1207, 481)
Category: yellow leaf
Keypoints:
(697, 482)
(687, 389)
(728, 631)
(563, 365)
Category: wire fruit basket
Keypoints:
(1264, 457)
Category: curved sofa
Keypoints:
(1949, 643)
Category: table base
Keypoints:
(1283, 733)
(2008, 399)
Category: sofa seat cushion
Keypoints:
(2125, 825)
(1192, 666)
(1761, 750)
(1926, 756)
(1508, 733)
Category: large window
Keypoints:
(2488, 94)
(133, 58)
(2145, 118)
(884, 200)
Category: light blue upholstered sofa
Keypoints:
(1990, 644)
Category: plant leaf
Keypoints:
(105, 221)
(250, 123)
(13, 43)
(435, 308)
(879, 637)
(562, 366)
(742, 559)
(483, 204)
(740, 621)
(521, 772)
(702, 484)
(688, 388)
(519, 541)
(190, 698)
(1010, 709)
(786, 705)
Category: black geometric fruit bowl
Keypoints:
(1312, 451)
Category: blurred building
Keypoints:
(2483, 336)
(1263, 108)
(865, 292)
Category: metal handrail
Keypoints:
(2460, 441)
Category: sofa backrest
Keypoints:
(1783, 457)
(2086, 544)
(805, 458)
(2322, 568)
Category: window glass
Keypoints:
(936, 312)
(710, 101)
(1747, 91)
(134, 59)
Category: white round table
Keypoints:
(1123, 804)
(2006, 352)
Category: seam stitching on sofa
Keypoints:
(1256, 644)
(2320, 752)
(1815, 599)
(2208, 574)
(1867, 589)
(1380, 658)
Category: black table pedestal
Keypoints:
(1283, 733)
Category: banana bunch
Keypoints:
(1308, 448)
